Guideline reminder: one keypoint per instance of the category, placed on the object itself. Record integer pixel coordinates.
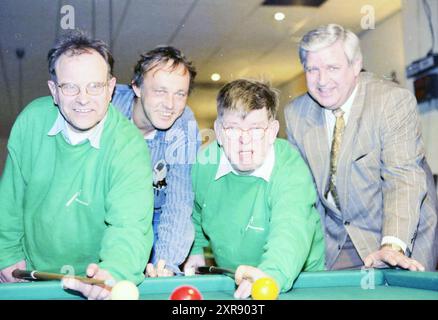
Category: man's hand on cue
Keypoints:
(91, 291)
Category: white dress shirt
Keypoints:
(75, 138)
(264, 171)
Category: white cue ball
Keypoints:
(125, 290)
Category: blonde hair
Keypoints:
(245, 95)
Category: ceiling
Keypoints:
(236, 38)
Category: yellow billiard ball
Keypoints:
(125, 290)
(265, 289)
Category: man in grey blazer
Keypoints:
(376, 194)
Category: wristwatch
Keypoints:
(393, 247)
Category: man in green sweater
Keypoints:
(76, 193)
(254, 195)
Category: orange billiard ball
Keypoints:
(186, 293)
(265, 289)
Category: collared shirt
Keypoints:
(151, 135)
(173, 196)
(246, 220)
(264, 171)
(330, 125)
(76, 204)
(75, 138)
(330, 121)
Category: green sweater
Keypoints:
(65, 206)
(248, 221)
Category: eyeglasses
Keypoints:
(93, 88)
(235, 133)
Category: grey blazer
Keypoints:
(384, 183)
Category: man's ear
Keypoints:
(111, 85)
(136, 90)
(218, 131)
(53, 91)
(274, 127)
(357, 66)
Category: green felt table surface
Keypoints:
(373, 284)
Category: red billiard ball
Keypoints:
(186, 293)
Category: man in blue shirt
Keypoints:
(156, 103)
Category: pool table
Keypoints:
(334, 285)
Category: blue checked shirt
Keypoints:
(173, 152)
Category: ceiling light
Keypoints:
(215, 77)
(279, 16)
(311, 3)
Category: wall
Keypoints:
(202, 101)
(417, 44)
(382, 48)
(289, 90)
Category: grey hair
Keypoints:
(326, 35)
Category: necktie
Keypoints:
(335, 151)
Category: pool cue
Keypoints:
(215, 270)
(37, 275)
